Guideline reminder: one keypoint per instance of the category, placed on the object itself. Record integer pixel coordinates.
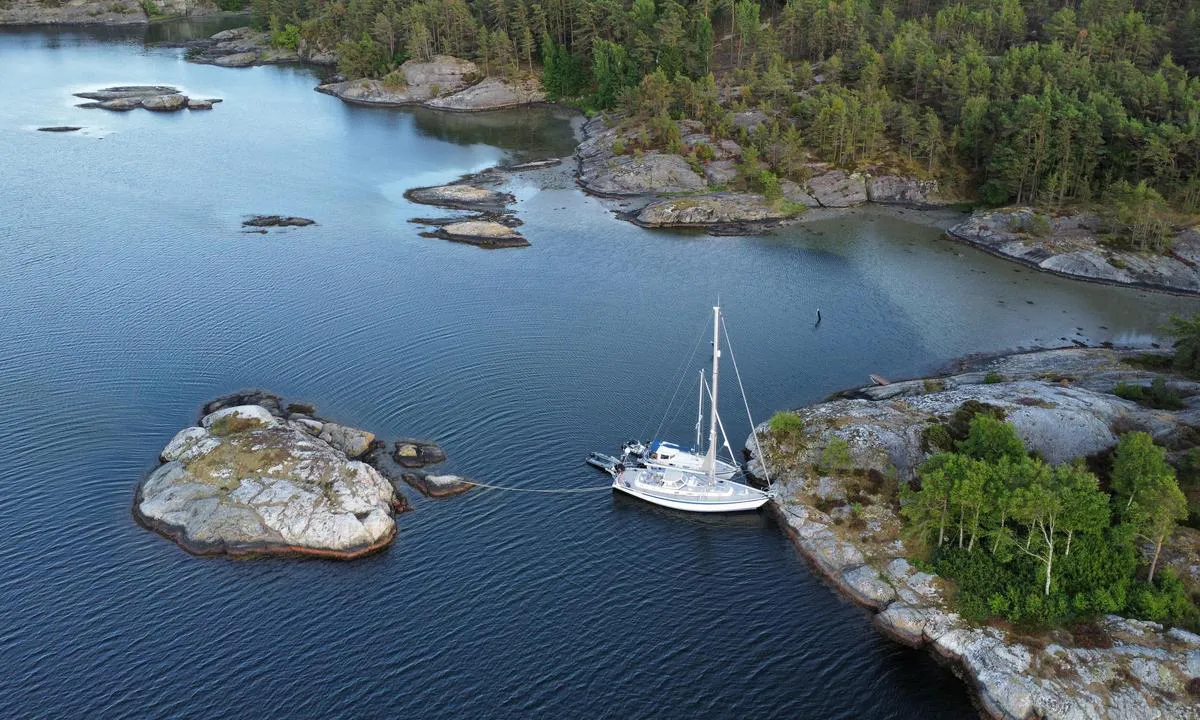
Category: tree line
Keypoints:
(1038, 543)
(1028, 101)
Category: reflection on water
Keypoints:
(131, 296)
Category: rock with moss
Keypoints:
(253, 479)
(413, 83)
(745, 210)
(899, 190)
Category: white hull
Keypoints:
(688, 491)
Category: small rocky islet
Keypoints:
(1062, 405)
(490, 227)
(259, 477)
(159, 98)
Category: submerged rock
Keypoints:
(60, 128)
(245, 482)
(418, 453)
(437, 486)
(269, 221)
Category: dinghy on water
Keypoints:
(695, 483)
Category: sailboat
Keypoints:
(699, 489)
(669, 455)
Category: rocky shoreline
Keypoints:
(672, 191)
(1072, 245)
(259, 477)
(97, 12)
(847, 527)
(441, 83)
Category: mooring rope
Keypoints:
(551, 491)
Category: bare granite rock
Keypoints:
(1071, 245)
(491, 94)
(896, 190)
(165, 103)
(441, 76)
(653, 173)
(245, 482)
(838, 189)
(709, 210)
(484, 233)
(460, 197)
(74, 12)
(437, 486)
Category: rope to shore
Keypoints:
(550, 491)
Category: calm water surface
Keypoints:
(128, 297)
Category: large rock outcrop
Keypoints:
(838, 189)
(650, 174)
(1072, 245)
(254, 479)
(415, 82)
(847, 526)
(239, 48)
(73, 12)
(491, 94)
(898, 190)
(720, 209)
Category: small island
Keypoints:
(260, 477)
(1025, 517)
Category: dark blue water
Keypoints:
(128, 297)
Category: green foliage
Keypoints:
(1186, 332)
(1138, 214)
(230, 5)
(1035, 224)
(152, 10)
(990, 440)
(365, 58)
(618, 147)
(836, 455)
(1157, 395)
(1036, 544)
(287, 38)
(786, 424)
(1166, 601)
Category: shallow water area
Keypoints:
(131, 295)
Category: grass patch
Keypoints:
(993, 378)
(1157, 395)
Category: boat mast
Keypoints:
(699, 412)
(710, 459)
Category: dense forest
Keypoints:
(1029, 101)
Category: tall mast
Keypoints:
(710, 459)
(699, 412)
